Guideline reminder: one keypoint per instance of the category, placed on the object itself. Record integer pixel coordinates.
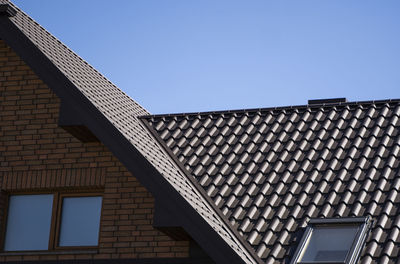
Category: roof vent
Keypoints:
(327, 101)
(7, 10)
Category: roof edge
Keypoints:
(7, 10)
(278, 108)
(41, 64)
(16, 10)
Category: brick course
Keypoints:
(37, 155)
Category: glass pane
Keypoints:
(80, 221)
(329, 243)
(28, 222)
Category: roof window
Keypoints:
(334, 240)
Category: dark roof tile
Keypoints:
(296, 163)
(123, 113)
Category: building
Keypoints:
(89, 176)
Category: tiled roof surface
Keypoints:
(270, 170)
(122, 112)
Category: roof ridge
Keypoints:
(280, 108)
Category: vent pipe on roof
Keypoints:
(327, 101)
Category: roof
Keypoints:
(112, 116)
(253, 177)
(270, 170)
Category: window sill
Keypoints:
(60, 252)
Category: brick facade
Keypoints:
(36, 155)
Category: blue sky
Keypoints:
(189, 56)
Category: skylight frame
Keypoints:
(363, 223)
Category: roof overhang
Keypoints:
(91, 118)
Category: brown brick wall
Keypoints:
(37, 155)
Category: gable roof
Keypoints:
(271, 170)
(112, 116)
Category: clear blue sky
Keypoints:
(189, 56)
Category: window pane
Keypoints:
(28, 222)
(329, 243)
(80, 221)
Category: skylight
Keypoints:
(335, 240)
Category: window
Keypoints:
(80, 221)
(29, 221)
(332, 240)
(52, 221)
